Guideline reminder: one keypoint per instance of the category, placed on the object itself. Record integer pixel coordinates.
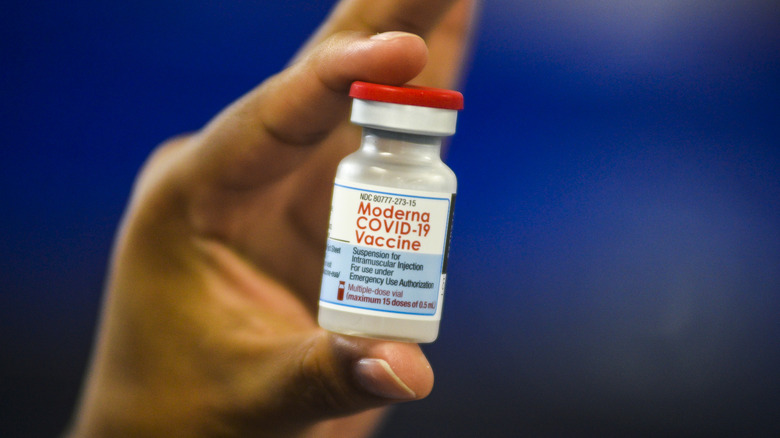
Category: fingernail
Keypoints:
(376, 377)
(386, 36)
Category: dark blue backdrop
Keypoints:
(615, 267)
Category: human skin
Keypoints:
(208, 326)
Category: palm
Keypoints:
(281, 227)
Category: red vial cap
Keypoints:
(408, 95)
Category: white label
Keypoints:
(387, 250)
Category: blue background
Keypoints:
(615, 265)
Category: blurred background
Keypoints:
(615, 265)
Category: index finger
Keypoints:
(377, 16)
(253, 138)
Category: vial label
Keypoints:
(387, 250)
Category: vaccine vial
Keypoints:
(391, 217)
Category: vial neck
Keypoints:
(408, 147)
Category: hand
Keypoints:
(209, 322)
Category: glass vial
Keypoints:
(391, 217)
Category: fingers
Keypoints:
(335, 375)
(263, 135)
(445, 24)
(375, 16)
(259, 138)
(449, 46)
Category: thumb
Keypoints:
(333, 375)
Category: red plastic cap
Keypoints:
(408, 95)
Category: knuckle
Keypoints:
(325, 389)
